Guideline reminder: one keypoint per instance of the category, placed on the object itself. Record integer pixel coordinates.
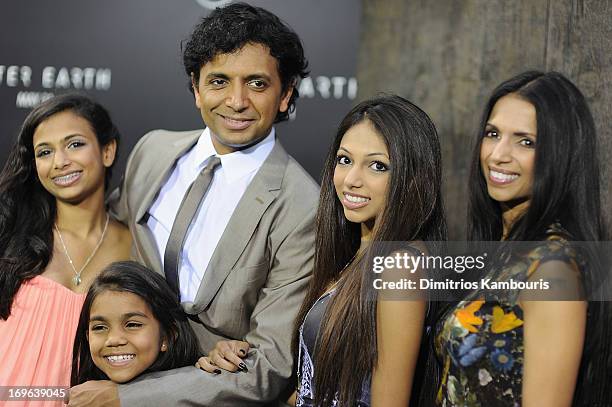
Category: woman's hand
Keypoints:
(226, 355)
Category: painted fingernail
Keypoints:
(243, 367)
(217, 371)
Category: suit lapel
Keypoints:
(152, 182)
(161, 169)
(146, 248)
(260, 193)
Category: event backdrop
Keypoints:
(448, 55)
(126, 54)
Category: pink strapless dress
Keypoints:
(36, 340)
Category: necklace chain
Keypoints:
(77, 274)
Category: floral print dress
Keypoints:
(480, 344)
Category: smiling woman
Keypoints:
(55, 235)
(381, 182)
(70, 163)
(507, 152)
(362, 175)
(534, 177)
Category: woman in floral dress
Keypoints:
(534, 177)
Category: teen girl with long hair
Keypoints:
(381, 182)
(55, 235)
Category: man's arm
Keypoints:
(117, 200)
(270, 361)
(117, 203)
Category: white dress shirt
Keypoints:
(229, 183)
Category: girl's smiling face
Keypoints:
(70, 163)
(361, 176)
(124, 336)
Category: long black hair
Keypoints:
(413, 212)
(27, 210)
(131, 277)
(566, 173)
(566, 190)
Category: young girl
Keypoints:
(131, 323)
(55, 235)
(381, 182)
(534, 177)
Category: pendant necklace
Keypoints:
(77, 274)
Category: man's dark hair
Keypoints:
(228, 29)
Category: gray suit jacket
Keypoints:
(253, 286)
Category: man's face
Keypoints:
(239, 96)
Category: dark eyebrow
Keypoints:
(128, 315)
(220, 75)
(258, 76)
(516, 133)
(367, 155)
(68, 137)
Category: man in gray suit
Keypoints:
(241, 261)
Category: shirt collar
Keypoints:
(237, 164)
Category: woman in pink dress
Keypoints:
(55, 237)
